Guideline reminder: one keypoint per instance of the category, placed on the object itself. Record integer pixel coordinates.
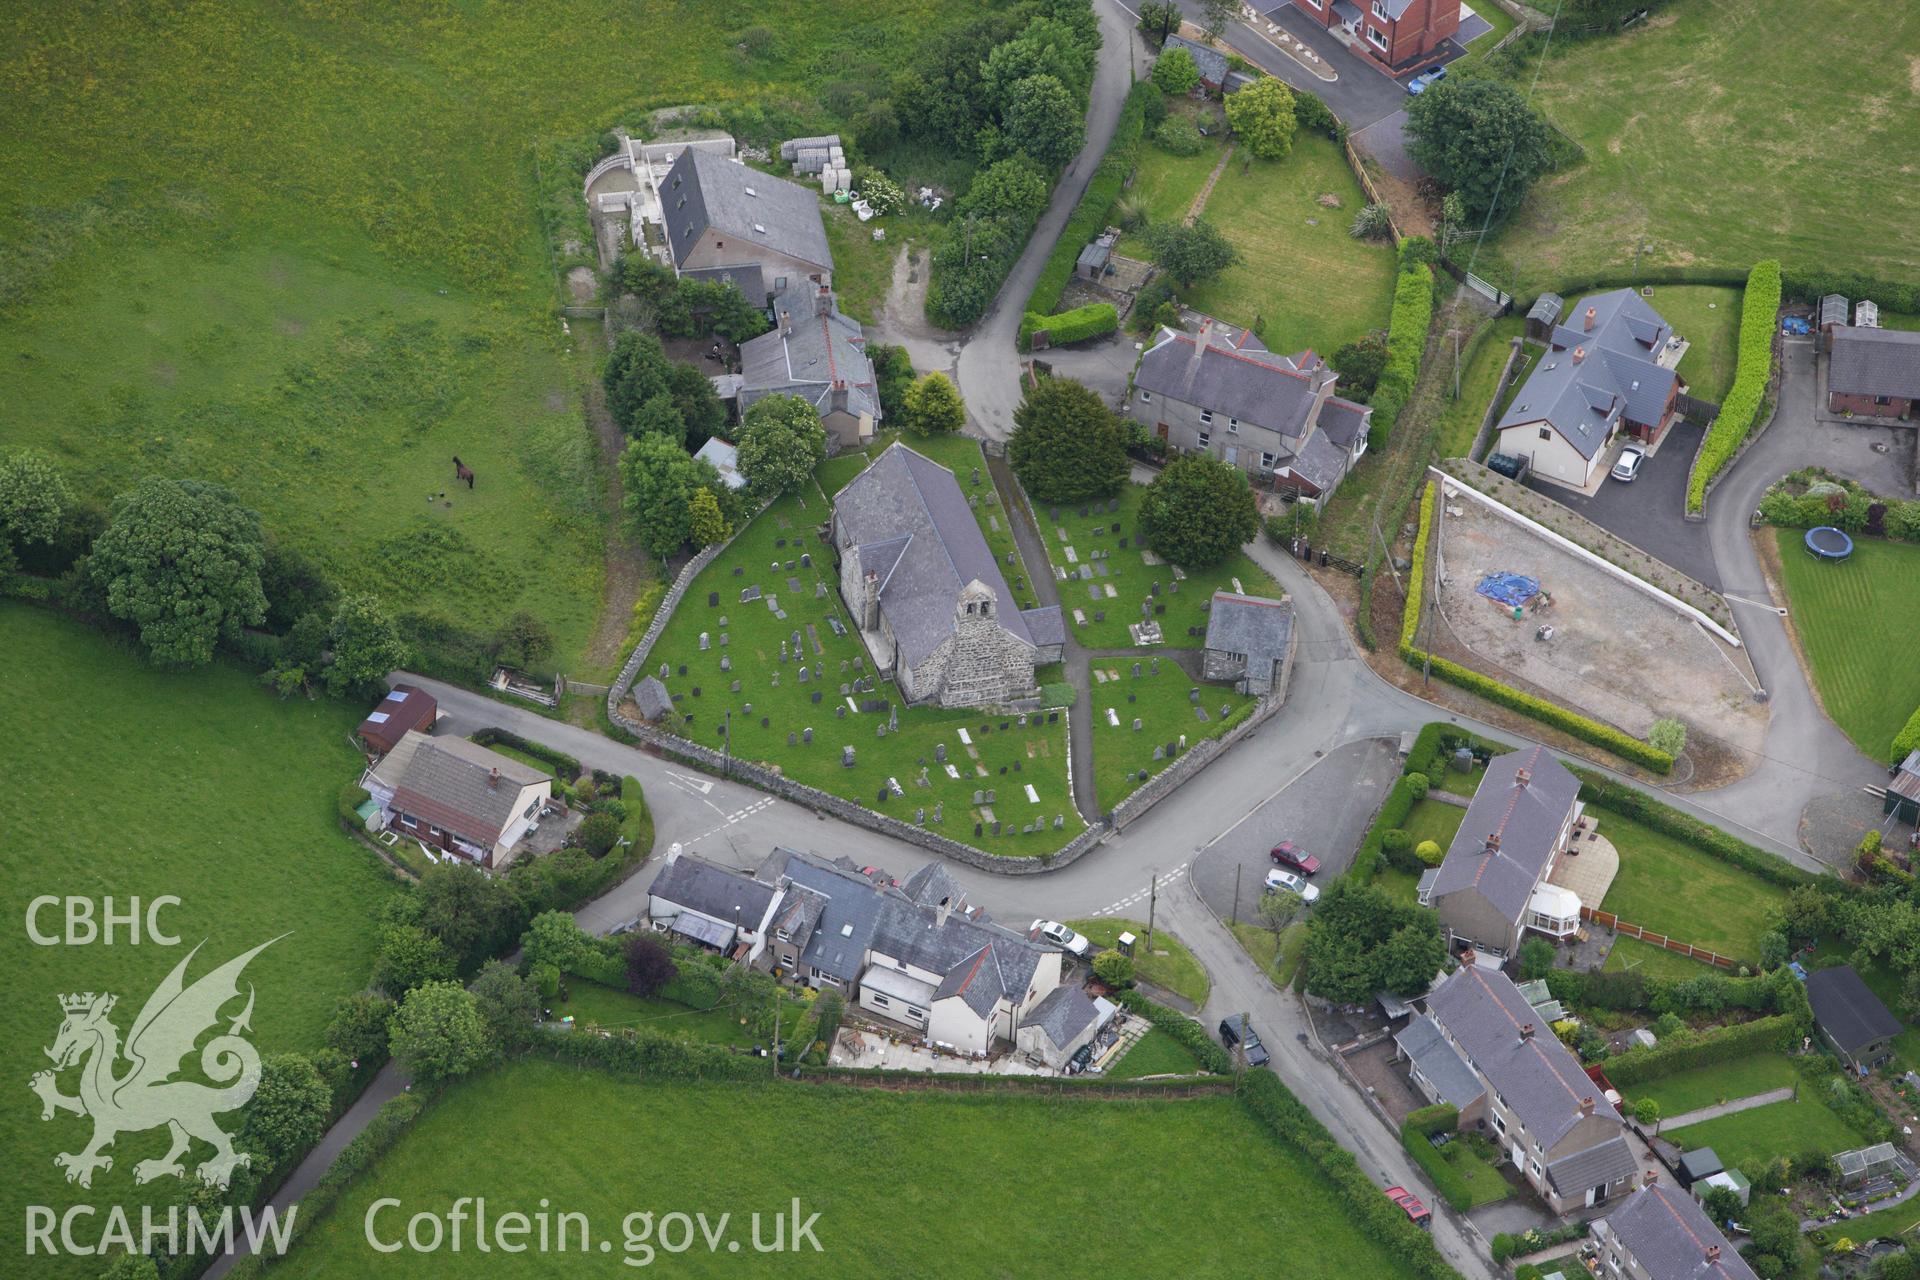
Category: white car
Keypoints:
(1627, 466)
(1279, 881)
(1060, 936)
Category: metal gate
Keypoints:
(1486, 290)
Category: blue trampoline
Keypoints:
(1510, 589)
(1829, 543)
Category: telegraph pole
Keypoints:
(1234, 915)
(1153, 887)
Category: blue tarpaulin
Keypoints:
(1513, 589)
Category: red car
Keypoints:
(1288, 854)
(1421, 1215)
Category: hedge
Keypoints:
(1406, 342)
(1758, 307)
(1908, 739)
(1095, 320)
(651, 1054)
(1089, 217)
(1447, 1180)
(1429, 752)
(569, 768)
(1622, 744)
(1631, 802)
(1192, 1036)
(347, 806)
(1398, 804)
(1273, 1103)
(1813, 286)
(1774, 1034)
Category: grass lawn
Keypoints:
(1849, 616)
(1655, 962)
(1460, 420)
(1278, 957)
(1002, 755)
(1156, 1054)
(1163, 704)
(863, 266)
(1129, 578)
(1482, 1178)
(1434, 820)
(1686, 1091)
(1672, 888)
(1401, 886)
(133, 783)
(1766, 1133)
(591, 1002)
(1171, 966)
(1696, 176)
(1709, 319)
(1164, 184)
(1499, 19)
(1305, 282)
(517, 1135)
(1885, 1223)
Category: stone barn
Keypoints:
(923, 588)
(1250, 643)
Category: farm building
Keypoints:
(722, 216)
(405, 708)
(1873, 372)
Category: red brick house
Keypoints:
(1394, 33)
(458, 796)
(406, 708)
(1873, 372)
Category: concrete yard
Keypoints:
(1616, 653)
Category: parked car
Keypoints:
(1433, 75)
(1279, 881)
(1289, 854)
(1628, 465)
(1060, 936)
(1421, 1215)
(1238, 1030)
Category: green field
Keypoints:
(1155, 1054)
(1769, 1132)
(1129, 578)
(1673, 888)
(298, 250)
(1695, 174)
(1305, 282)
(1171, 966)
(1003, 756)
(1163, 704)
(132, 784)
(1148, 1181)
(1686, 1091)
(591, 1003)
(1850, 617)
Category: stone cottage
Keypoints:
(922, 585)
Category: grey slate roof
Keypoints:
(912, 525)
(1320, 462)
(1669, 1235)
(1211, 62)
(1254, 386)
(1546, 308)
(1616, 375)
(931, 885)
(981, 961)
(1833, 310)
(779, 215)
(1062, 1013)
(1850, 1014)
(1045, 625)
(1875, 362)
(1526, 819)
(807, 354)
(1537, 1079)
(1343, 421)
(848, 916)
(746, 277)
(1602, 1164)
(693, 883)
(1439, 1062)
(448, 781)
(1257, 626)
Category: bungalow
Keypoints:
(1491, 888)
(1662, 1233)
(1250, 643)
(458, 796)
(1600, 375)
(712, 905)
(1394, 33)
(1222, 393)
(1542, 1110)
(405, 708)
(1873, 372)
(1851, 1018)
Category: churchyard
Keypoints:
(762, 634)
(1147, 712)
(1109, 580)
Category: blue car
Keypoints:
(1427, 79)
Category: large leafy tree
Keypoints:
(1360, 941)
(1174, 71)
(637, 371)
(507, 1003)
(933, 406)
(699, 404)
(1199, 511)
(659, 480)
(1045, 48)
(409, 956)
(1360, 363)
(33, 497)
(289, 1109)
(781, 442)
(180, 559)
(1043, 119)
(1191, 252)
(1011, 188)
(366, 645)
(358, 1030)
(1261, 115)
(706, 522)
(473, 913)
(1067, 446)
(438, 1034)
(1482, 139)
(1217, 15)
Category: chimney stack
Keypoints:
(1653, 1176)
(1521, 777)
(940, 913)
(822, 301)
(1493, 842)
(1591, 313)
(1467, 957)
(1713, 1254)
(1586, 1105)
(1526, 1031)
(1579, 354)
(493, 779)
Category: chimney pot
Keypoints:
(1653, 1176)
(1526, 1031)
(1521, 777)
(493, 778)
(1493, 842)
(1579, 354)
(1591, 313)
(1713, 1254)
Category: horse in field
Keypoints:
(461, 471)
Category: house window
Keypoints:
(410, 820)
(912, 1012)
(1499, 1125)
(1883, 399)
(779, 284)
(1233, 426)
(1373, 34)
(1314, 3)
(828, 979)
(1205, 438)
(1546, 433)
(1266, 461)
(1206, 415)
(1379, 10)
(1533, 1167)
(879, 1001)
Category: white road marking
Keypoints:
(687, 782)
(1140, 895)
(737, 816)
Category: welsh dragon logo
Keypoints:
(145, 1095)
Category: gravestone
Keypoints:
(783, 651)
(920, 817)
(882, 797)
(1009, 557)
(749, 594)
(1083, 512)
(937, 805)
(1159, 611)
(1156, 666)
(1143, 775)
(806, 560)
(790, 563)
(990, 795)
(713, 599)
(793, 585)
(1136, 671)
(792, 737)
(1159, 753)
(1133, 697)
(723, 620)
(1193, 695)
(776, 679)
(979, 797)
(739, 569)
(705, 642)
(806, 736)
(940, 752)
(1154, 589)
(696, 691)
(665, 671)
(1099, 615)
(803, 675)
(996, 826)
(973, 501)
(779, 542)
(879, 731)
(734, 687)
(845, 689)
(1136, 724)
(1174, 587)
(1113, 505)
(683, 668)
(976, 831)
(764, 724)
(1125, 543)
(846, 757)
(1003, 771)
(820, 593)
(1053, 717)
(976, 477)
(816, 697)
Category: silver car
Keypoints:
(1627, 466)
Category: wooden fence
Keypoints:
(1614, 922)
(1366, 185)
